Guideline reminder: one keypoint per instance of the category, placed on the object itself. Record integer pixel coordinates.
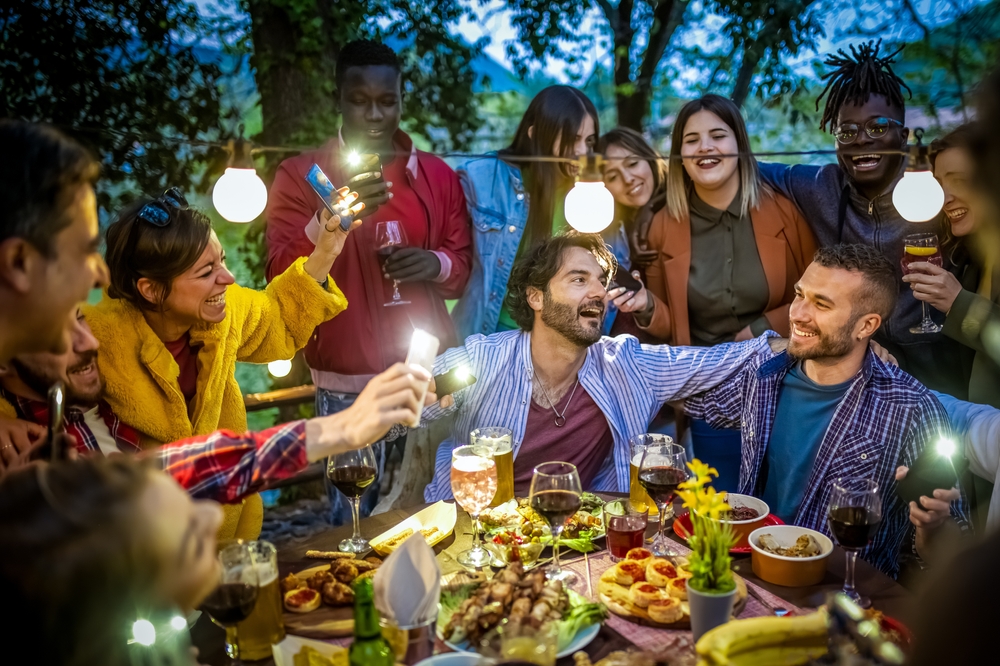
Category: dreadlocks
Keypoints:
(857, 77)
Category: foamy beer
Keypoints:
(637, 495)
(501, 441)
(264, 627)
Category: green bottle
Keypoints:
(369, 647)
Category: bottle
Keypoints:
(369, 647)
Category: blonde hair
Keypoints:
(678, 180)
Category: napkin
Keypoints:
(408, 584)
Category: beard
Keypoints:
(828, 345)
(564, 319)
(40, 382)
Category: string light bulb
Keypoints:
(279, 369)
(918, 196)
(143, 632)
(239, 194)
(590, 207)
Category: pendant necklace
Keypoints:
(560, 419)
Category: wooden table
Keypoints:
(887, 595)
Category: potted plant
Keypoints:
(711, 588)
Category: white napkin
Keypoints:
(408, 584)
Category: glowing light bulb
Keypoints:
(918, 196)
(239, 195)
(178, 623)
(279, 368)
(590, 207)
(143, 632)
(945, 448)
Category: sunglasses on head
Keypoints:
(157, 211)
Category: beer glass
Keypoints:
(637, 495)
(501, 441)
(264, 626)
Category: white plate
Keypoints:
(441, 515)
(580, 641)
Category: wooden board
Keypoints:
(325, 621)
(685, 623)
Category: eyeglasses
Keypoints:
(875, 128)
(157, 211)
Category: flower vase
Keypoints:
(709, 609)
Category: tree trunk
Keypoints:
(752, 55)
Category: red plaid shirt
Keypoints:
(222, 466)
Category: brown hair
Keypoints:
(963, 136)
(678, 180)
(138, 249)
(880, 288)
(635, 143)
(76, 572)
(538, 267)
(555, 113)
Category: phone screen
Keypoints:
(322, 186)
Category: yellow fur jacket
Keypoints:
(140, 375)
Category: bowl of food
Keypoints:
(789, 555)
(747, 514)
(513, 546)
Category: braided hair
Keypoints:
(857, 77)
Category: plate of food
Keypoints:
(653, 591)
(470, 610)
(319, 601)
(683, 529)
(517, 517)
(435, 522)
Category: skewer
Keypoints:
(590, 591)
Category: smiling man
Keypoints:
(828, 407)
(851, 201)
(566, 392)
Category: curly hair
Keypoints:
(857, 77)
(538, 267)
(878, 294)
(364, 53)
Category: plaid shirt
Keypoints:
(884, 420)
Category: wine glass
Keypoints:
(235, 597)
(389, 237)
(663, 468)
(555, 496)
(473, 483)
(854, 514)
(922, 247)
(351, 473)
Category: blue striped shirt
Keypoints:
(884, 420)
(628, 381)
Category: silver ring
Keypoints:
(5, 447)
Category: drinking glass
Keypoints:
(236, 595)
(351, 473)
(473, 483)
(626, 527)
(854, 514)
(663, 468)
(922, 247)
(636, 493)
(501, 441)
(389, 237)
(555, 496)
(265, 626)
(521, 644)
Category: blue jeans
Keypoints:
(330, 402)
(720, 448)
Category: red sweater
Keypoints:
(367, 338)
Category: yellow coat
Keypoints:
(141, 376)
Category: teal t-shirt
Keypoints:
(805, 410)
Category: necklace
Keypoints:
(560, 419)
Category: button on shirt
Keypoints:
(805, 410)
(727, 288)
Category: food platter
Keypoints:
(515, 521)
(683, 528)
(652, 591)
(334, 617)
(436, 522)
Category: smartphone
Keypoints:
(360, 164)
(423, 351)
(933, 469)
(324, 188)
(57, 423)
(455, 379)
(623, 278)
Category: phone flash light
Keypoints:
(462, 373)
(945, 447)
(353, 159)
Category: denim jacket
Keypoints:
(498, 207)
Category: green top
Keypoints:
(559, 225)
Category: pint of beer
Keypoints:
(501, 441)
(637, 495)
(264, 627)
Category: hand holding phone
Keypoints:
(423, 351)
(331, 197)
(937, 466)
(455, 379)
(365, 176)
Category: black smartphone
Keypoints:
(936, 467)
(57, 423)
(623, 278)
(455, 379)
(360, 164)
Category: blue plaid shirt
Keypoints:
(884, 420)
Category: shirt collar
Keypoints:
(780, 364)
(712, 214)
(401, 139)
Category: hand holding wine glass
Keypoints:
(389, 237)
(922, 248)
(854, 515)
(663, 468)
(555, 496)
(235, 597)
(351, 473)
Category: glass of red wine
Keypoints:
(235, 597)
(389, 237)
(922, 248)
(663, 468)
(555, 496)
(351, 473)
(854, 514)
(626, 527)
